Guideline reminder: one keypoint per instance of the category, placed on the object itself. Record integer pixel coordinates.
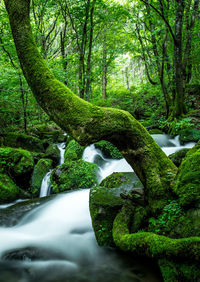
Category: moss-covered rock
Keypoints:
(48, 133)
(19, 140)
(18, 164)
(106, 201)
(177, 157)
(73, 151)
(179, 271)
(104, 206)
(53, 153)
(187, 185)
(189, 135)
(73, 175)
(128, 180)
(40, 170)
(8, 189)
(108, 149)
(37, 156)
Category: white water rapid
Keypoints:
(54, 242)
(46, 183)
(61, 147)
(168, 144)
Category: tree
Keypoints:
(164, 30)
(87, 124)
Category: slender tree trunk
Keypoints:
(63, 53)
(105, 68)
(24, 102)
(127, 78)
(82, 53)
(179, 106)
(88, 72)
(144, 56)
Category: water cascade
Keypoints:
(61, 147)
(46, 184)
(55, 241)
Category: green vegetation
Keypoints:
(108, 150)
(132, 60)
(73, 175)
(8, 189)
(73, 151)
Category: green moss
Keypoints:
(8, 189)
(188, 135)
(108, 149)
(73, 175)
(187, 185)
(19, 140)
(53, 153)
(177, 157)
(18, 164)
(139, 219)
(74, 151)
(171, 216)
(104, 206)
(179, 271)
(150, 244)
(114, 180)
(127, 180)
(40, 170)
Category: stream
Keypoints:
(55, 241)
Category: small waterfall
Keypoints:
(170, 144)
(61, 147)
(106, 166)
(46, 182)
(45, 186)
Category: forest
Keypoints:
(100, 94)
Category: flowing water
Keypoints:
(55, 241)
(45, 186)
(46, 183)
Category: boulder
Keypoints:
(188, 179)
(19, 140)
(53, 153)
(73, 175)
(9, 191)
(189, 135)
(177, 157)
(18, 164)
(73, 151)
(107, 199)
(108, 150)
(49, 134)
(40, 170)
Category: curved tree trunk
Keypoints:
(88, 123)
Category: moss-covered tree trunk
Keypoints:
(85, 122)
